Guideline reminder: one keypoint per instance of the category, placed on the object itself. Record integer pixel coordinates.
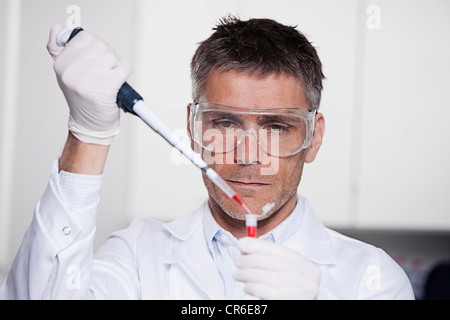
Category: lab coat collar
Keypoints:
(312, 239)
(191, 253)
(182, 228)
(315, 240)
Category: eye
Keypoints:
(277, 127)
(224, 124)
(277, 123)
(221, 120)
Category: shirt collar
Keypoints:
(286, 229)
(210, 226)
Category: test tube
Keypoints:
(251, 223)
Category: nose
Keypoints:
(247, 149)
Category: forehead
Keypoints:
(243, 89)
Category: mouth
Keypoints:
(247, 184)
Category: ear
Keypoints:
(316, 142)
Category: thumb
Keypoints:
(122, 71)
(52, 46)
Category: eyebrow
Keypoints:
(223, 114)
(260, 119)
(277, 118)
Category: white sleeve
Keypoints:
(79, 191)
(56, 256)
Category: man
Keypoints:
(256, 91)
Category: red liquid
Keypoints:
(238, 200)
(251, 231)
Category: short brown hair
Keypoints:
(260, 47)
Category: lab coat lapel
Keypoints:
(192, 271)
(312, 239)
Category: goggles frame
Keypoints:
(307, 116)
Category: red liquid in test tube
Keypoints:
(251, 231)
(250, 223)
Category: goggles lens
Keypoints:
(278, 132)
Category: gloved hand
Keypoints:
(273, 271)
(90, 74)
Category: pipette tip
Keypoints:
(250, 218)
(238, 200)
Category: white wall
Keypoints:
(384, 162)
(405, 167)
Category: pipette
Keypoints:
(130, 101)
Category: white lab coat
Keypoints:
(154, 260)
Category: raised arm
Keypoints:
(55, 260)
(83, 158)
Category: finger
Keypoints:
(268, 292)
(107, 61)
(86, 39)
(122, 71)
(79, 51)
(52, 46)
(258, 283)
(261, 290)
(275, 285)
(256, 275)
(251, 245)
(263, 261)
(274, 278)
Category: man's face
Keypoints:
(256, 177)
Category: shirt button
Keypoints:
(66, 230)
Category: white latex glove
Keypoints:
(90, 74)
(273, 271)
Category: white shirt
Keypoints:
(154, 260)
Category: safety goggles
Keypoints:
(279, 132)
